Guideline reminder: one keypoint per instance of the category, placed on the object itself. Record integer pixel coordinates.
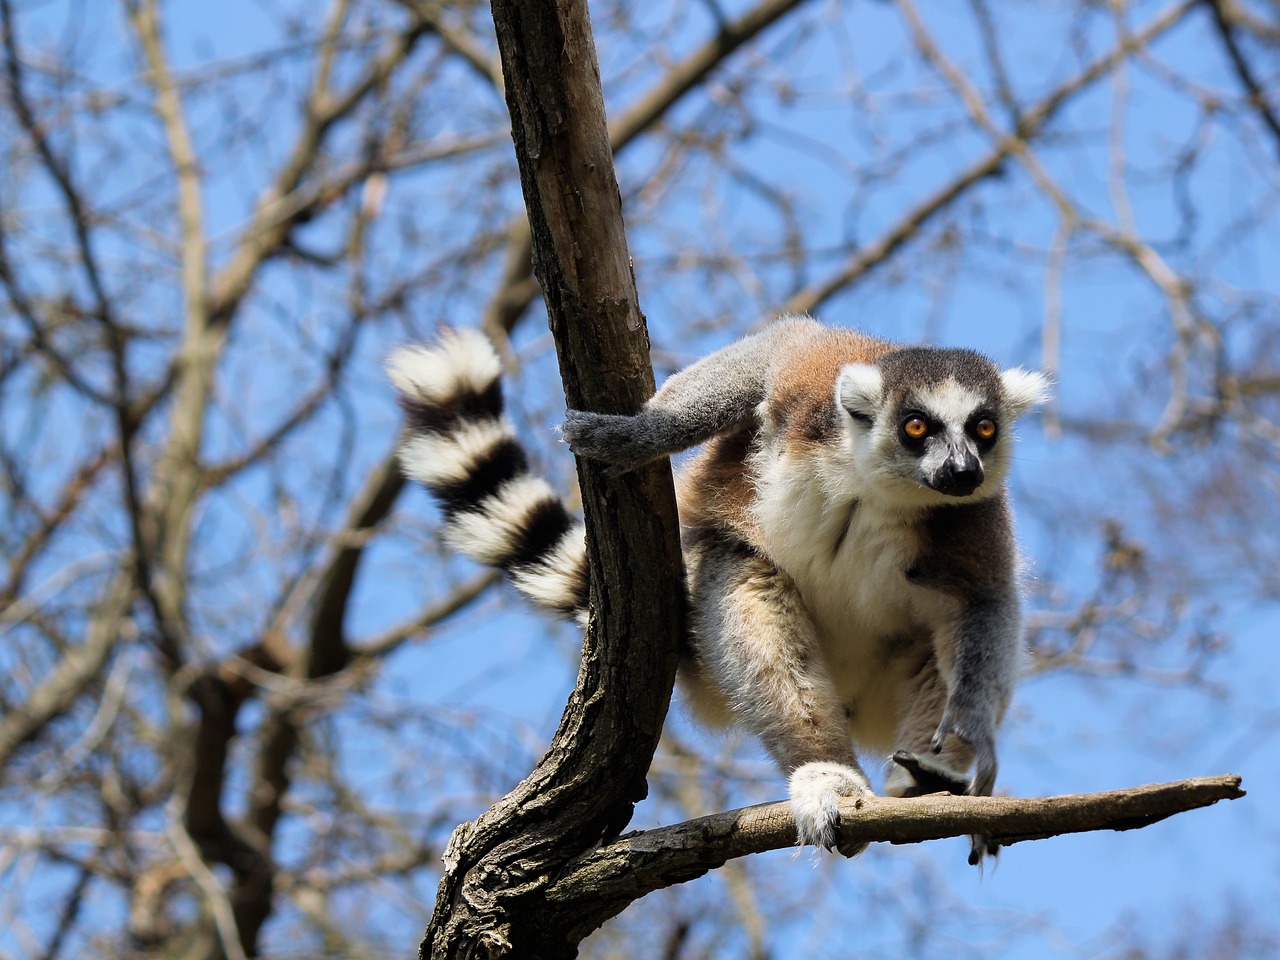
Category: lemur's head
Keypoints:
(932, 424)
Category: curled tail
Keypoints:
(460, 446)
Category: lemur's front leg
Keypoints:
(982, 667)
(916, 769)
(715, 395)
(757, 643)
(955, 706)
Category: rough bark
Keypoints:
(492, 900)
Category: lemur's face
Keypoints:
(943, 433)
(931, 425)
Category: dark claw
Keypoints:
(980, 847)
(947, 726)
(850, 849)
(844, 849)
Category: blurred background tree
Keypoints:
(246, 694)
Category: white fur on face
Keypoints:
(949, 403)
(892, 475)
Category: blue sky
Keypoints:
(495, 678)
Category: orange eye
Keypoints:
(915, 427)
(985, 429)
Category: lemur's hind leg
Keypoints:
(923, 699)
(756, 643)
(916, 770)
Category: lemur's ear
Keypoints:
(858, 389)
(1024, 389)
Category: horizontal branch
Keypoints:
(636, 864)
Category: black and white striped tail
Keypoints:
(458, 443)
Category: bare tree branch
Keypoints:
(605, 880)
(1032, 122)
(70, 497)
(77, 668)
(518, 288)
(1224, 20)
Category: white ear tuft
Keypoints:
(859, 388)
(1024, 389)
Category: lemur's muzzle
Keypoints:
(960, 475)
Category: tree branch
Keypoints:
(1029, 125)
(1224, 21)
(518, 288)
(601, 883)
(75, 670)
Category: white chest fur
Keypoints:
(848, 557)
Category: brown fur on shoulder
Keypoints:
(802, 389)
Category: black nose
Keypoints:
(959, 476)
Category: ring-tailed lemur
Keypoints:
(851, 564)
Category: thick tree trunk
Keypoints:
(492, 899)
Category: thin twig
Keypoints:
(1257, 96)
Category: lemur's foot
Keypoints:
(816, 790)
(913, 775)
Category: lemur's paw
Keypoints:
(980, 847)
(607, 437)
(979, 734)
(816, 790)
(625, 442)
(914, 775)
